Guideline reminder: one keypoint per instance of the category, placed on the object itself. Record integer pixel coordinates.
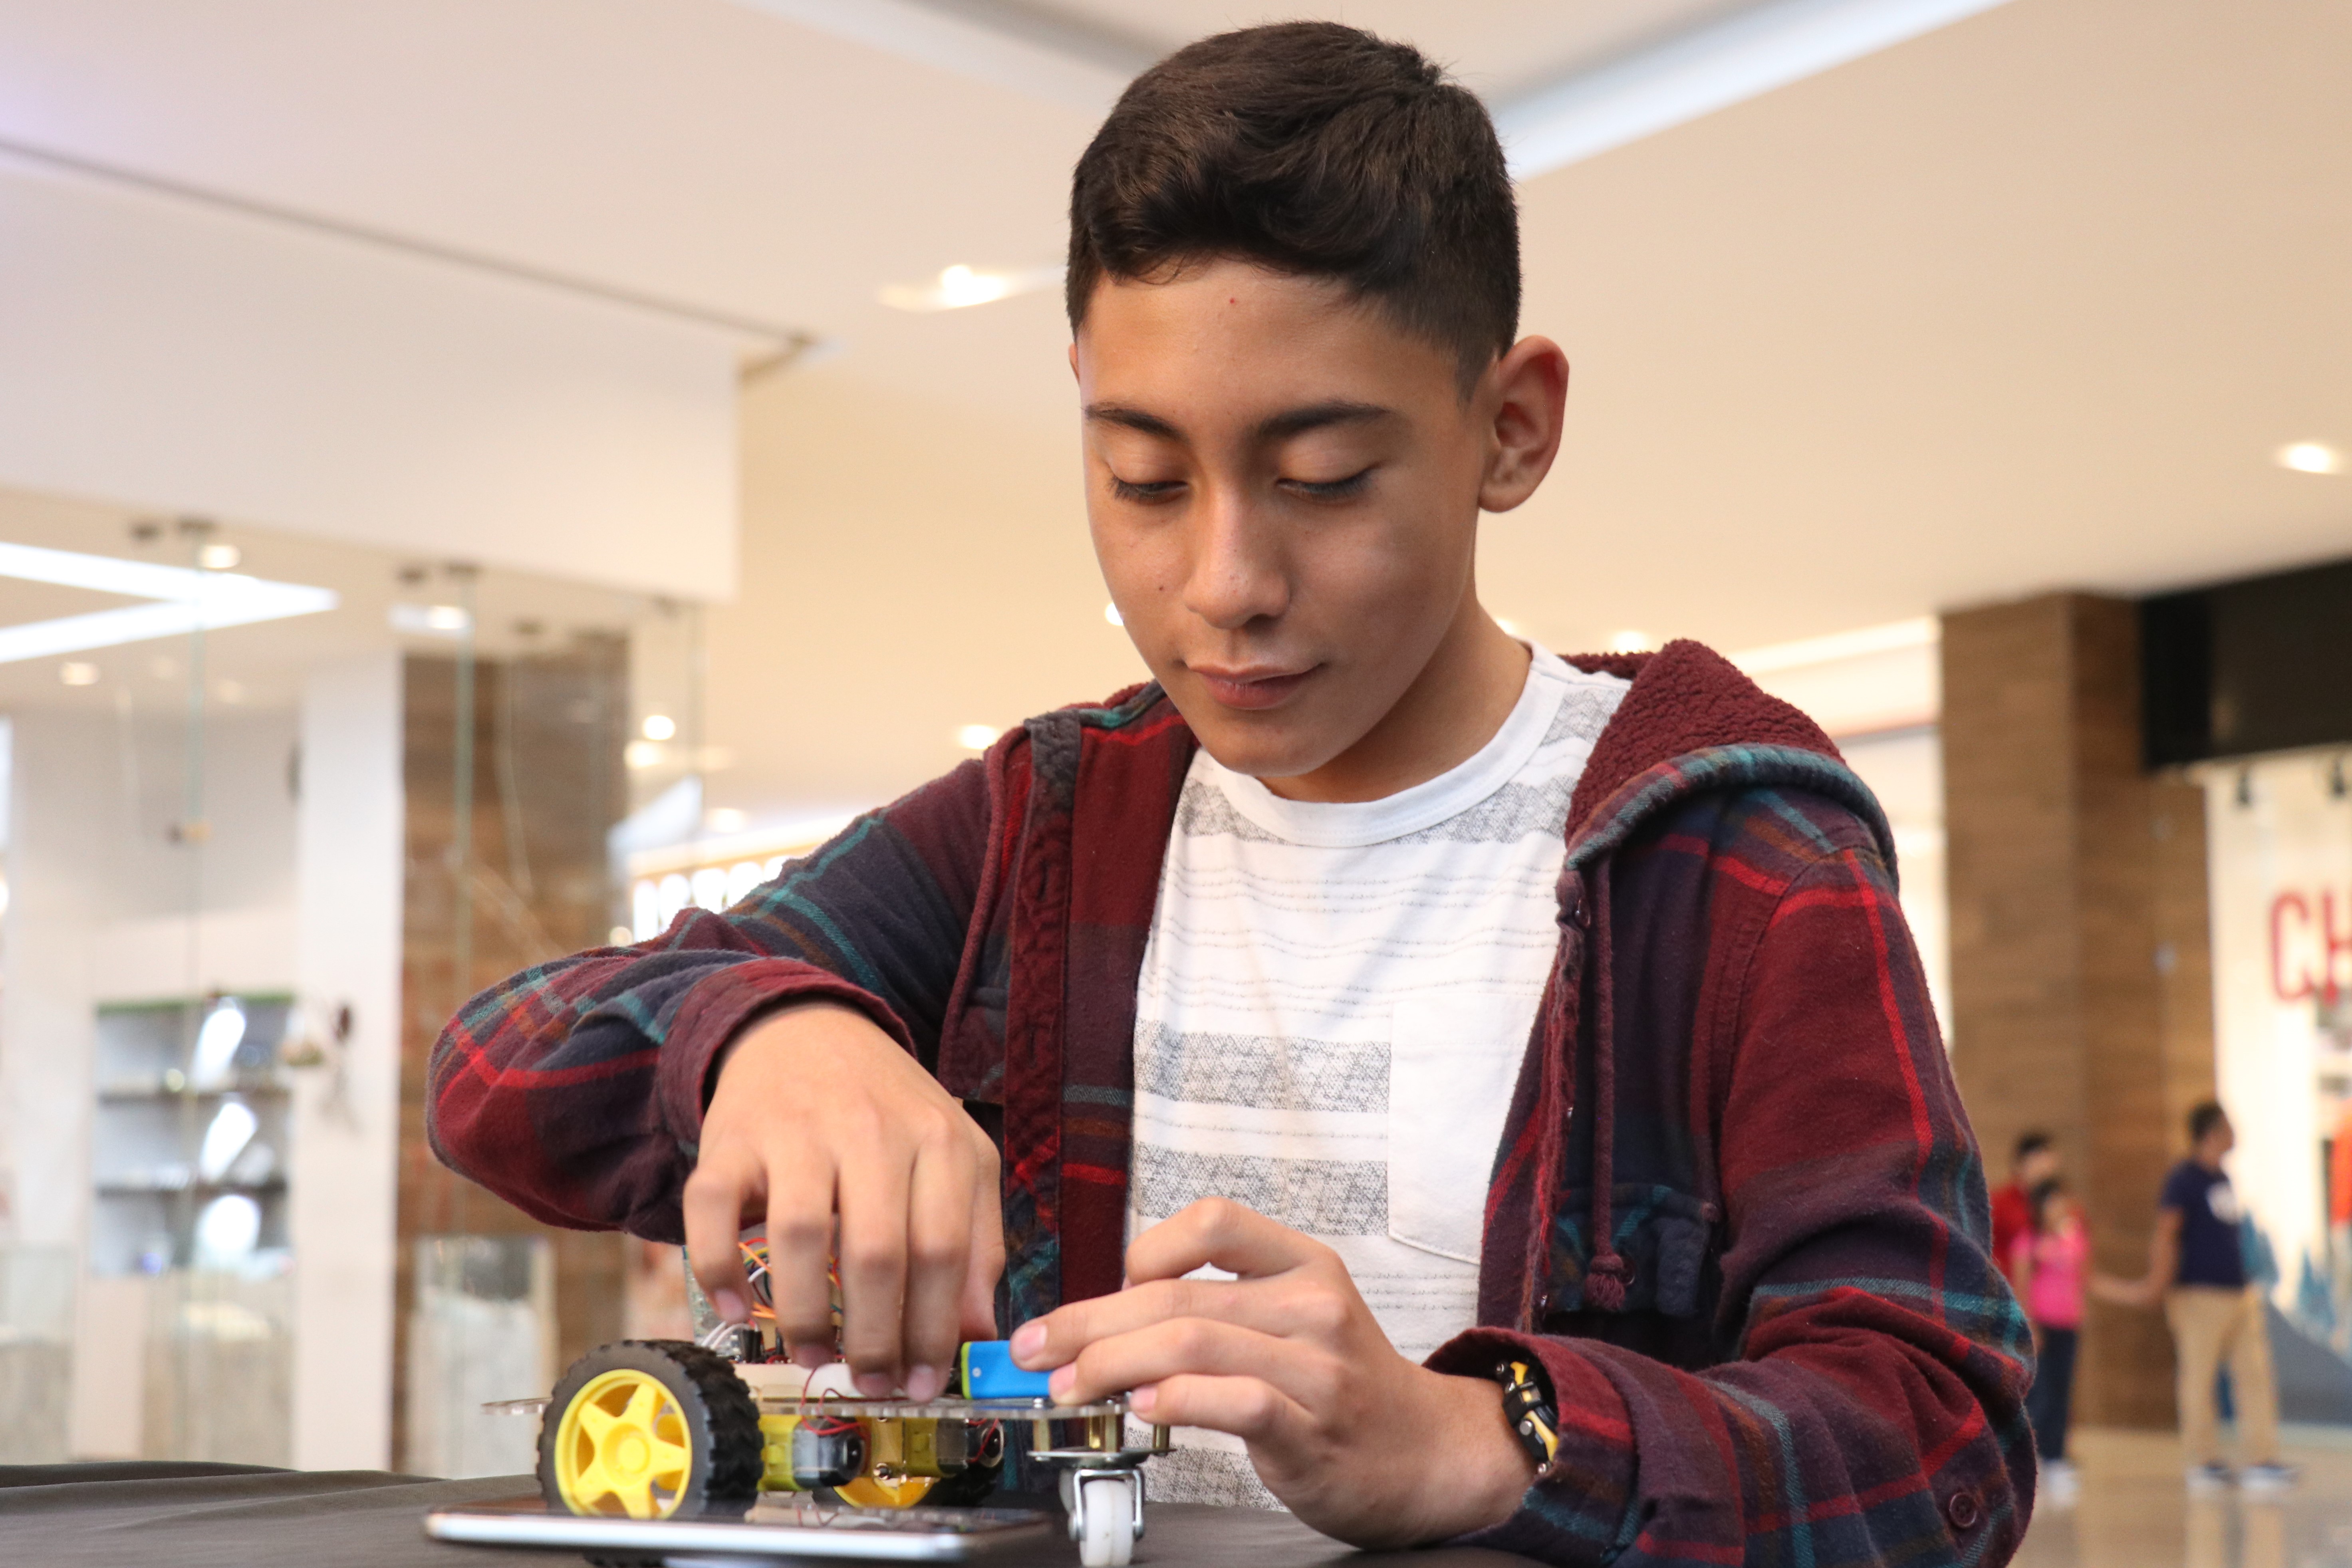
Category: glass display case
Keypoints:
(188, 1141)
(36, 1295)
(266, 827)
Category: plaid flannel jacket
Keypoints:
(1786, 1342)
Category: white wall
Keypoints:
(344, 1159)
(1905, 770)
(157, 354)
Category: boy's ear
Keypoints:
(1524, 398)
(1074, 359)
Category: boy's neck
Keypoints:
(1453, 707)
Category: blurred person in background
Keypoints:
(2048, 1257)
(2197, 1270)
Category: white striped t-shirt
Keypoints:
(1334, 1003)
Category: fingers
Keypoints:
(1221, 1233)
(713, 1203)
(1263, 1305)
(939, 1240)
(872, 1248)
(1247, 1408)
(1200, 1346)
(984, 1258)
(801, 1181)
(1182, 1345)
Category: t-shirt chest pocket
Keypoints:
(1453, 1060)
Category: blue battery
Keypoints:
(989, 1373)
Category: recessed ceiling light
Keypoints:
(977, 737)
(659, 727)
(2311, 458)
(1110, 614)
(725, 819)
(641, 754)
(73, 672)
(1630, 642)
(959, 285)
(430, 620)
(219, 557)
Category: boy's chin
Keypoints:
(1266, 751)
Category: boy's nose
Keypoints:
(1238, 575)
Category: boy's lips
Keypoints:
(1254, 687)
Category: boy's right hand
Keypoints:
(824, 1127)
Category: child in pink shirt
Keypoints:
(2050, 1263)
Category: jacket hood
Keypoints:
(1694, 722)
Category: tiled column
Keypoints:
(2081, 967)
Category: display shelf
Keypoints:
(155, 1089)
(189, 1139)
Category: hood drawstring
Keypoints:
(1606, 1275)
(1556, 1077)
(1583, 907)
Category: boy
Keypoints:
(1370, 987)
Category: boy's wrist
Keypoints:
(1483, 1471)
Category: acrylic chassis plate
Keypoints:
(998, 1409)
(796, 1529)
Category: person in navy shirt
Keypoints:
(2197, 1268)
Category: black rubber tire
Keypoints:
(970, 1486)
(722, 1420)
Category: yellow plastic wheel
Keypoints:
(649, 1429)
(623, 1447)
(866, 1492)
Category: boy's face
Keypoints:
(1284, 491)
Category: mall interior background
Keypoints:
(543, 465)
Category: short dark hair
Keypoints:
(1312, 149)
(2207, 1115)
(2038, 1201)
(2030, 1143)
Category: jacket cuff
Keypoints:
(724, 1004)
(1582, 1507)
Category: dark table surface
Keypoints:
(163, 1515)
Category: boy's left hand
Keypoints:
(1358, 1442)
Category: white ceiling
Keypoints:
(2024, 302)
(1499, 47)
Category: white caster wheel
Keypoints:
(1105, 1519)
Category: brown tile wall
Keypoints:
(2080, 973)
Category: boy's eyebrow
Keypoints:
(1274, 428)
(1315, 415)
(1133, 419)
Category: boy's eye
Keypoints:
(1147, 490)
(1332, 489)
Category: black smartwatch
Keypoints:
(1527, 1406)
